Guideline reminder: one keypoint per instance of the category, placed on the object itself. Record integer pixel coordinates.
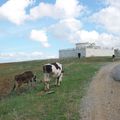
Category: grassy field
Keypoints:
(64, 104)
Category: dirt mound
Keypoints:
(6, 85)
(102, 101)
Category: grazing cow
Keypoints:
(52, 70)
(26, 77)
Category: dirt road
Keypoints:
(102, 101)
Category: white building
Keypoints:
(85, 50)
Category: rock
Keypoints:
(115, 73)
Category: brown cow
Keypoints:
(26, 77)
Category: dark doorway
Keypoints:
(79, 55)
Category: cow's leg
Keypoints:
(46, 81)
(59, 79)
(15, 86)
(56, 81)
(29, 84)
(34, 81)
(18, 85)
(47, 86)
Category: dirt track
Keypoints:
(102, 101)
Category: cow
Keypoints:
(26, 77)
(52, 70)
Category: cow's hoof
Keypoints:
(46, 90)
(55, 85)
(58, 85)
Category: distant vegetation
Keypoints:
(29, 104)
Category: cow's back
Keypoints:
(24, 77)
(28, 74)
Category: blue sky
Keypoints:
(37, 29)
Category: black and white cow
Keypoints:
(52, 70)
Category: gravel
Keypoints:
(102, 101)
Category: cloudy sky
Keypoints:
(37, 29)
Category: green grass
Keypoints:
(64, 104)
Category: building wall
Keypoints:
(85, 52)
(98, 52)
(82, 45)
(71, 53)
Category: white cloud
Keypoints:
(71, 30)
(65, 29)
(24, 56)
(108, 40)
(69, 8)
(115, 3)
(61, 9)
(40, 36)
(15, 10)
(109, 17)
(86, 36)
(101, 39)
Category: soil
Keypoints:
(102, 101)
